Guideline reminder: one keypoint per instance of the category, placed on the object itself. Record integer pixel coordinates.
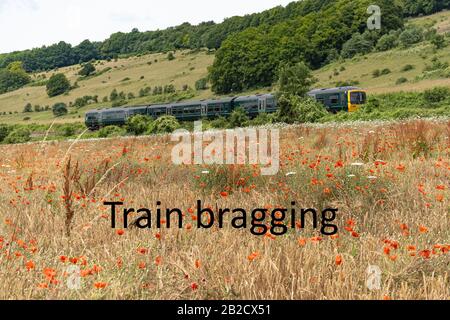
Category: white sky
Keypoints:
(25, 24)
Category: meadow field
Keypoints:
(389, 180)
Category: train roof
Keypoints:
(254, 97)
(332, 90)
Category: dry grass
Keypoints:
(398, 221)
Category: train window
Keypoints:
(358, 98)
(334, 99)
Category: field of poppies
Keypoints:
(389, 180)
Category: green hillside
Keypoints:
(400, 69)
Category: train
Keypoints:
(347, 99)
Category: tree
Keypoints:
(358, 44)
(13, 77)
(57, 85)
(59, 109)
(295, 80)
(28, 108)
(87, 70)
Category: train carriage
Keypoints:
(347, 99)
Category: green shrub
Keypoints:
(19, 135)
(238, 118)
(59, 109)
(436, 94)
(138, 124)
(165, 124)
(376, 73)
(293, 109)
(67, 130)
(170, 56)
(111, 131)
(262, 119)
(4, 131)
(385, 71)
(410, 36)
(219, 123)
(87, 70)
(407, 68)
(401, 80)
(201, 84)
(387, 42)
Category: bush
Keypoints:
(111, 131)
(59, 109)
(294, 109)
(57, 85)
(170, 56)
(28, 108)
(262, 119)
(4, 131)
(201, 84)
(19, 135)
(376, 73)
(165, 124)
(401, 80)
(219, 123)
(138, 124)
(387, 42)
(438, 41)
(238, 118)
(67, 130)
(87, 70)
(410, 36)
(436, 94)
(407, 68)
(385, 71)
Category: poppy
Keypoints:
(338, 260)
(100, 285)
(198, 264)
(194, 286)
(30, 265)
(423, 229)
(120, 232)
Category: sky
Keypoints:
(26, 24)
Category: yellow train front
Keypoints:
(347, 99)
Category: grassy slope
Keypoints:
(189, 67)
(185, 69)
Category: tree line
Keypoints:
(186, 36)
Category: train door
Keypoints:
(204, 110)
(169, 110)
(262, 105)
